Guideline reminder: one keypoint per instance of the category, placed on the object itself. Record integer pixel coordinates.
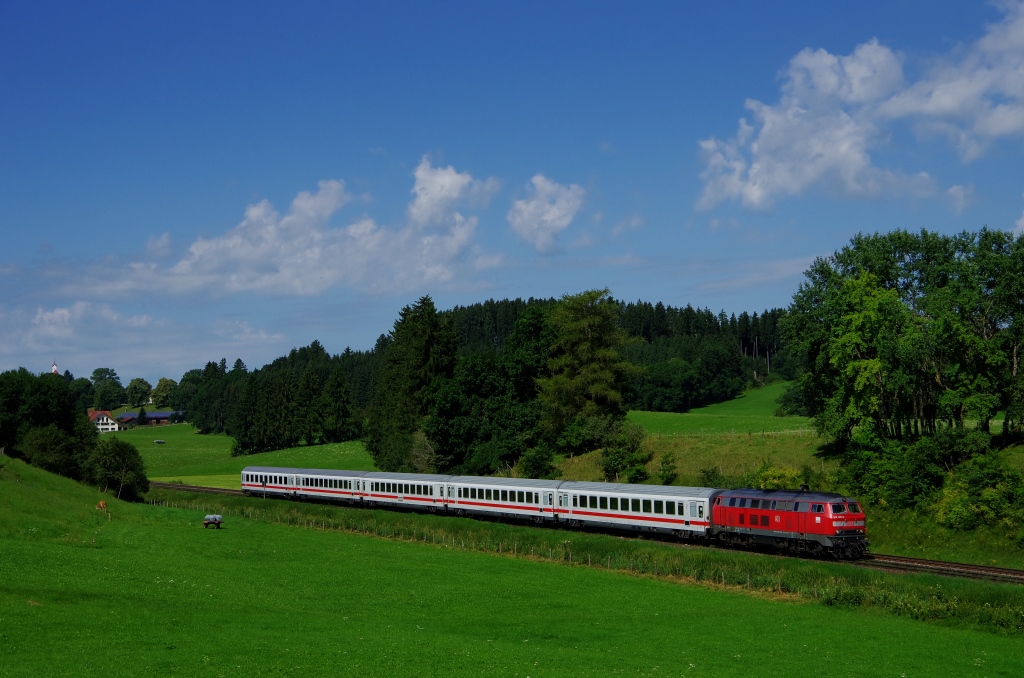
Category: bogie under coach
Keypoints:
(797, 522)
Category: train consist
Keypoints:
(817, 523)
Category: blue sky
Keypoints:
(188, 182)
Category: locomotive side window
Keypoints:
(773, 505)
(743, 503)
(659, 506)
(838, 508)
(732, 501)
(817, 508)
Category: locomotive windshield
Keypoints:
(855, 508)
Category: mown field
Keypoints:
(206, 460)
(150, 592)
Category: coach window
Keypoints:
(604, 502)
(635, 505)
(659, 506)
(614, 501)
(700, 511)
(593, 501)
(536, 498)
(574, 499)
(647, 505)
(670, 508)
(504, 495)
(520, 498)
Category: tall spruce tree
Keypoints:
(422, 350)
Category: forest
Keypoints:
(482, 388)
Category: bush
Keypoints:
(117, 465)
(768, 477)
(625, 456)
(984, 490)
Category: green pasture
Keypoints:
(750, 413)
(150, 591)
(206, 460)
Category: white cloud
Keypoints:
(962, 196)
(64, 325)
(834, 111)
(300, 254)
(438, 189)
(975, 97)
(550, 208)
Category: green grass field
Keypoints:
(206, 460)
(750, 413)
(150, 592)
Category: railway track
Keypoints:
(881, 562)
(902, 564)
(195, 488)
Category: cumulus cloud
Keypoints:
(835, 110)
(64, 324)
(548, 210)
(299, 253)
(438, 189)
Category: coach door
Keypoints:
(563, 502)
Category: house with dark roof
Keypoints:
(152, 418)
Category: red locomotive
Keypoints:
(810, 522)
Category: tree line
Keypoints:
(911, 347)
(475, 388)
(42, 421)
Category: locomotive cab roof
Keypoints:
(786, 495)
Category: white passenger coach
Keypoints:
(683, 511)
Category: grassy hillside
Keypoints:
(149, 591)
(206, 460)
(750, 413)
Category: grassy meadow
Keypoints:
(206, 461)
(148, 591)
